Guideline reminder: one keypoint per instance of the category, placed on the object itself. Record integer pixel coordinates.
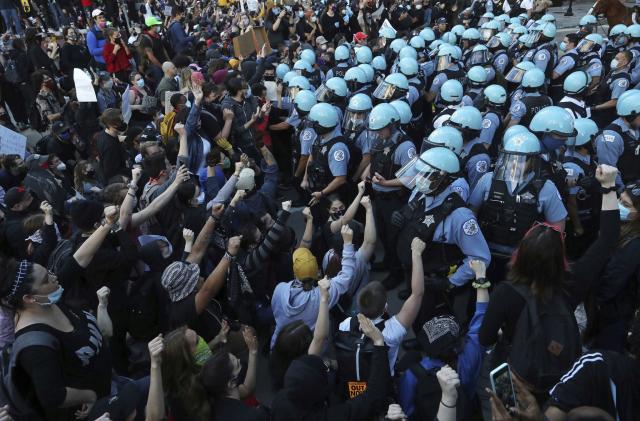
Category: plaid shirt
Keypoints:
(47, 104)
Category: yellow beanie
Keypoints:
(233, 63)
(305, 265)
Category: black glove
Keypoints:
(397, 219)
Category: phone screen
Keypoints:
(502, 385)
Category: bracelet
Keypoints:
(229, 257)
(481, 283)
(605, 190)
(131, 194)
(132, 186)
(447, 406)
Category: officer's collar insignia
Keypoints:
(386, 150)
(428, 220)
(324, 149)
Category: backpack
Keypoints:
(166, 126)
(546, 342)
(60, 255)
(428, 395)
(19, 407)
(353, 353)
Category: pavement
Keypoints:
(568, 24)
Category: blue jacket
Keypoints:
(194, 139)
(178, 37)
(469, 364)
(95, 43)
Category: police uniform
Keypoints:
(337, 71)
(316, 77)
(619, 146)
(616, 84)
(529, 105)
(452, 72)
(576, 107)
(500, 61)
(545, 58)
(444, 115)
(330, 159)
(568, 62)
(475, 160)
(491, 124)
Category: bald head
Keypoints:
(169, 69)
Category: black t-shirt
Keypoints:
(155, 43)
(330, 25)
(207, 324)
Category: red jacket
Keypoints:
(117, 62)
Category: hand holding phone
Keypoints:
(502, 385)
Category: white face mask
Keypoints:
(314, 19)
(300, 14)
(61, 166)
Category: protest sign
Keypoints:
(12, 143)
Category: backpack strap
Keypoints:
(34, 338)
(419, 371)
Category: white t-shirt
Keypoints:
(393, 334)
(526, 4)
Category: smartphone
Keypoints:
(502, 385)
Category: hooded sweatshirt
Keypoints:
(290, 302)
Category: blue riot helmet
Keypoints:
(628, 105)
(288, 76)
(495, 95)
(470, 37)
(333, 89)
(591, 42)
(297, 84)
(357, 113)
(466, 119)
(545, 31)
(324, 117)
(427, 34)
(587, 130)
(282, 70)
(363, 54)
(576, 83)
(449, 38)
(523, 18)
(548, 18)
(387, 32)
(519, 157)
(303, 102)
(408, 67)
(458, 30)
(479, 56)
(533, 79)
(499, 40)
(516, 128)
(446, 137)
(418, 43)
(383, 115)
(379, 64)
(587, 23)
(477, 76)
(408, 51)
(341, 54)
(451, 92)
(397, 45)
(515, 21)
(518, 34)
(617, 34)
(431, 171)
(434, 47)
(309, 56)
(355, 78)
(303, 68)
(446, 55)
(489, 29)
(369, 73)
(517, 72)
(394, 86)
(487, 17)
(404, 111)
(633, 31)
(503, 20)
(553, 120)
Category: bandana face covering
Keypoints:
(203, 352)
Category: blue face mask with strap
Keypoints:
(624, 212)
(551, 143)
(53, 297)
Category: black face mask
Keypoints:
(338, 214)
(91, 173)
(269, 78)
(321, 130)
(122, 127)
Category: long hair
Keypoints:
(292, 342)
(539, 261)
(214, 379)
(630, 230)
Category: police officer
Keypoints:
(575, 88)
(364, 55)
(391, 53)
(480, 56)
(356, 80)
(616, 83)
(475, 157)
(404, 111)
(409, 67)
(633, 32)
(476, 81)
(495, 98)
(583, 199)
(587, 25)
(304, 135)
(327, 168)
(447, 68)
(379, 65)
(390, 150)
(617, 41)
(334, 91)
(316, 76)
(354, 127)
(439, 217)
(568, 62)
(590, 49)
(451, 97)
(514, 80)
(394, 86)
(511, 198)
(545, 55)
(419, 44)
(369, 74)
(533, 100)
(341, 57)
(470, 37)
(498, 45)
(619, 143)
(488, 30)
(281, 70)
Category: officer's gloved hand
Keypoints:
(397, 219)
(436, 283)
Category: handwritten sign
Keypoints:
(12, 143)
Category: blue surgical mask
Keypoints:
(140, 83)
(563, 46)
(624, 212)
(53, 297)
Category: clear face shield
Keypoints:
(292, 91)
(443, 62)
(484, 20)
(486, 34)
(514, 168)
(585, 46)
(479, 58)
(354, 121)
(386, 91)
(324, 94)
(493, 42)
(515, 75)
(620, 41)
(532, 38)
(420, 175)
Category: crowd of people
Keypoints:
(197, 216)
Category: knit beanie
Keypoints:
(305, 265)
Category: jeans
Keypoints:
(56, 15)
(11, 18)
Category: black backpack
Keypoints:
(60, 255)
(19, 407)
(353, 353)
(546, 342)
(428, 395)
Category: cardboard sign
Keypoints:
(85, 91)
(12, 143)
(356, 388)
(251, 42)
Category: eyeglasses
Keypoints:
(556, 228)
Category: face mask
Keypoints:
(53, 297)
(614, 64)
(300, 14)
(122, 127)
(203, 352)
(61, 166)
(552, 144)
(102, 25)
(276, 10)
(563, 46)
(314, 19)
(336, 215)
(91, 173)
(424, 185)
(108, 85)
(624, 212)
(140, 83)
(64, 135)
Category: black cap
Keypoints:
(14, 196)
(59, 127)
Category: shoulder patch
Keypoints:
(501, 61)
(457, 189)
(338, 155)
(609, 138)
(411, 152)
(623, 83)
(307, 135)
(564, 61)
(470, 227)
(517, 106)
(486, 123)
(481, 166)
(541, 56)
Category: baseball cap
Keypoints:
(59, 127)
(438, 335)
(360, 36)
(179, 279)
(150, 21)
(305, 265)
(14, 196)
(96, 13)
(441, 20)
(321, 40)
